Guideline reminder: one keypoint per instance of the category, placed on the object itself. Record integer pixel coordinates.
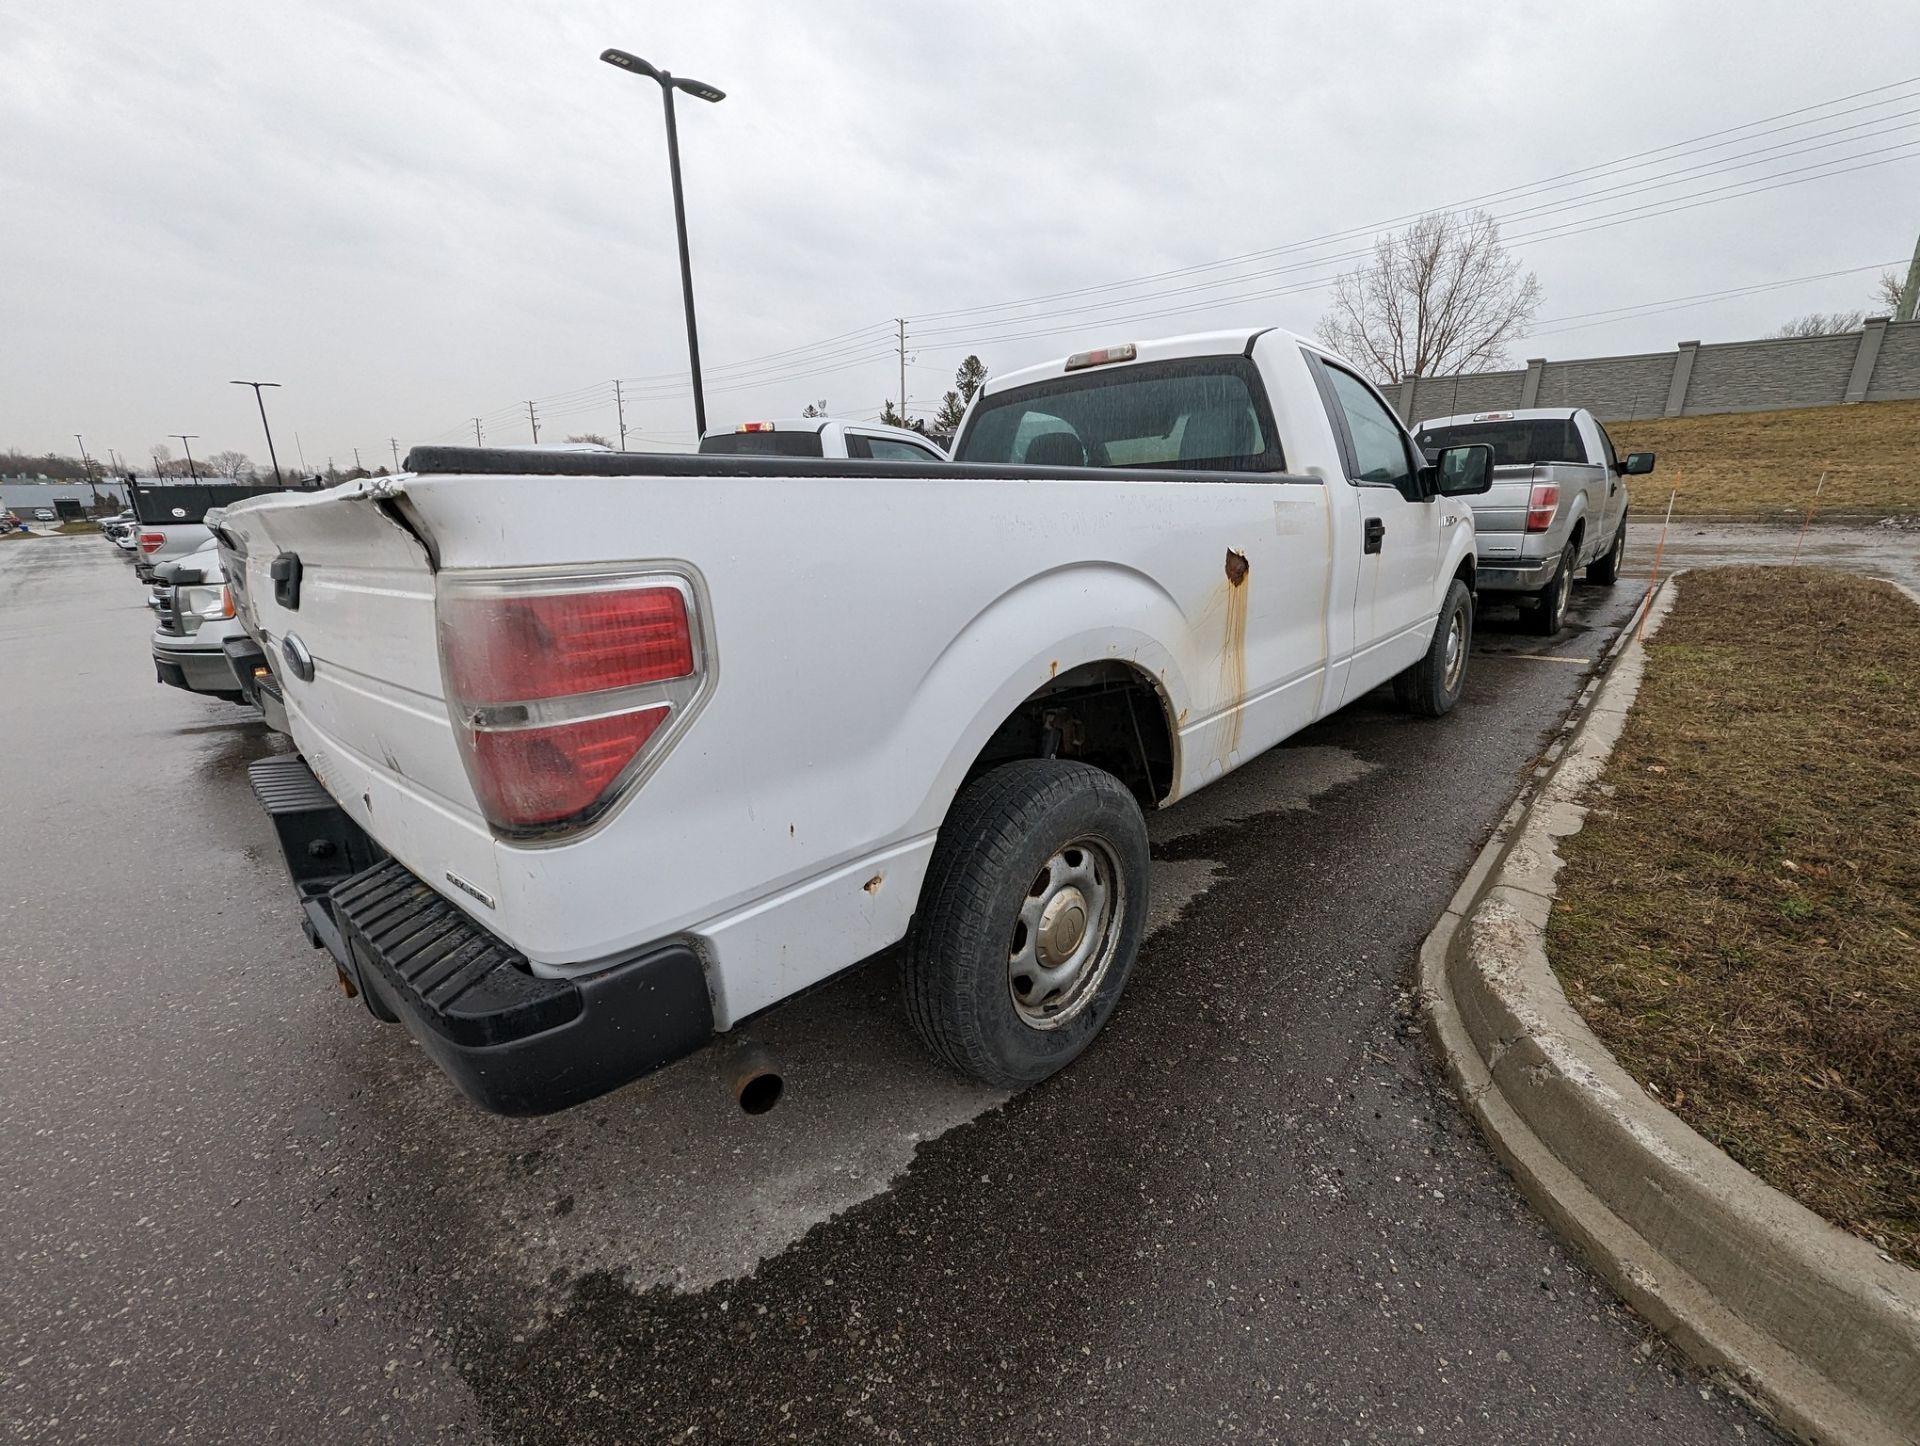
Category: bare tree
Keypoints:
(1440, 297)
(1886, 293)
(233, 465)
(594, 437)
(162, 458)
(815, 409)
(1821, 323)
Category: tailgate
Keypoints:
(1500, 513)
(370, 717)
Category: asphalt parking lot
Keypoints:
(236, 1209)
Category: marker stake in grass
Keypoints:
(1808, 518)
(1653, 578)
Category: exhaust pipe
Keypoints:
(753, 1077)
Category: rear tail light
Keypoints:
(1541, 506)
(566, 689)
(150, 541)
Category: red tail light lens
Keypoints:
(150, 541)
(1541, 506)
(534, 776)
(512, 649)
(566, 689)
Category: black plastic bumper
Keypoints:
(515, 1043)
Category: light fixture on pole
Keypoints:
(699, 89)
(185, 438)
(264, 427)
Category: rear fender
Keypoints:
(1051, 623)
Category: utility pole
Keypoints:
(302, 451)
(394, 442)
(86, 462)
(185, 438)
(533, 420)
(1910, 293)
(476, 433)
(620, 403)
(278, 481)
(356, 461)
(901, 322)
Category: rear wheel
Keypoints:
(1606, 570)
(1549, 613)
(1031, 915)
(1433, 685)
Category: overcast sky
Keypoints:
(410, 215)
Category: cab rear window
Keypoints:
(1206, 413)
(762, 444)
(1523, 442)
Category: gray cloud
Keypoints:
(414, 214)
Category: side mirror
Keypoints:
(1463, 471)
(1638, 464)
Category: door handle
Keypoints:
(1375, 533)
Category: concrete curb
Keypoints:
(1815, 1326)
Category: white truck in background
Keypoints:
(822, 437)
(603, 754)
(1558, 503)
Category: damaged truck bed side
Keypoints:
(601, 754)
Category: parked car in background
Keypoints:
(1558, 503)
(822, 437)
(530, 824)
(195, 619)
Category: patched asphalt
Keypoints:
(235, 1209)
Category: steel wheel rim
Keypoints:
(1562, 588)
(1619, 545)
(1066, 935)
(1456, 649)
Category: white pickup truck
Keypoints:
(822, 437)
(611, 752)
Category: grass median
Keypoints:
(1739, 920)
(1766, 465)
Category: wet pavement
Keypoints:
(236, 1209)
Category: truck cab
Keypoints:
(1558, 503)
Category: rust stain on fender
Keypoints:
(1233, 650)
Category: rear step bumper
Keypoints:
(515, 1043)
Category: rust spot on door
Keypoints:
(872, 885)
(1233, 651)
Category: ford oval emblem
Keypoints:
(297, 656)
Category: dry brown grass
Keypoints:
(1764, 464)
(1740, 921)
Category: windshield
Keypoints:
(1198, 412)
(763, 444)
(1517, 443)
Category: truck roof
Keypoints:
(817, 424)
(1234, 341)
(1517, 414)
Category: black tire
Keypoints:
(999, 857)
(1605, 571)
(1431, 687)
(1549, 611)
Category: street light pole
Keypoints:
(669, 83)
(264, 427)
(186, 437)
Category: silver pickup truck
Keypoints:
(1558, 503)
